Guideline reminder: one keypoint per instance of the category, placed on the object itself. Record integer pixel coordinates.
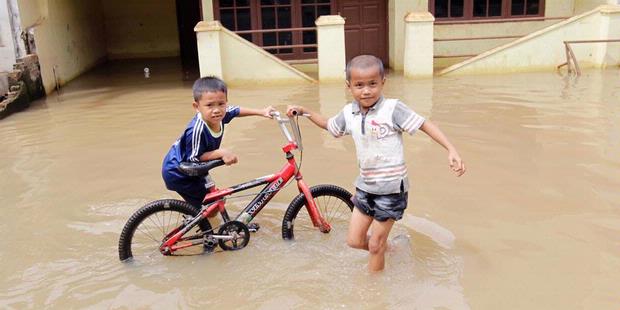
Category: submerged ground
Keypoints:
(534, 224)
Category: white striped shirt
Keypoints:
(378, 142)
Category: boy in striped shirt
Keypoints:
(376, 125)
(201, 139)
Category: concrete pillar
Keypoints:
(610, 19)
(207, 10)
(331, 50)
(418, 55)
(209, 51)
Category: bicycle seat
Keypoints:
(199, 169)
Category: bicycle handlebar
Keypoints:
(294, 126)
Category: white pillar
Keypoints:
(207, 10)
(418, 61)
(331, 50)
(209, 51)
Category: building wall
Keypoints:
(474, 47)
(525, 54)
(141, 28)
(586, 5)
(67, 36)
(559, 8)
(7, 48)
(397, 10)
(553, 9)
(223, 53)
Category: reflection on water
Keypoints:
(533, 225)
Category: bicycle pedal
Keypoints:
(209, 244)
(253, 227)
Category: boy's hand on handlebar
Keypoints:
(293, 110)
(228, 157)
(267, 112)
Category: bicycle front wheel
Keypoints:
(335, 206)
(148, 227)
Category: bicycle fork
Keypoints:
(313, 211)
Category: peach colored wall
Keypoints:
(67, 36)
(544, 50)
(140, 28)
(227, 55)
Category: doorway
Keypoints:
(366, 30)
(188, 15)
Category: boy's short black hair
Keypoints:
(364, 62)
(208, 84)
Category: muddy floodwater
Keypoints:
(534, 224)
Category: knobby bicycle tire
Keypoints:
(151, 211)
(324, 195)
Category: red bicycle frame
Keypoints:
(214, 201)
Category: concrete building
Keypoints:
(73, 36)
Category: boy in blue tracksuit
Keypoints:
(201, 139)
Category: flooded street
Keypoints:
(534, 224)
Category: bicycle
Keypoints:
(171, 227)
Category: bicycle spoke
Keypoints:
(338, 211)
(167, 227)
(140, 229)
(334, 209)
(145, 243)
(158, 223)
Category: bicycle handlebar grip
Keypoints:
(210, 164)
(296, 113)
(200, 168)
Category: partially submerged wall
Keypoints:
(544, 50)
(67, 35)
(582, 6)
(450, 50)
(455, 51)
(140, 29)
(397, 10)
(223, 53)
(25, 86)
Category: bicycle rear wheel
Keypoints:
(335, 206)
(147, 228)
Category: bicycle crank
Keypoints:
(233, 235)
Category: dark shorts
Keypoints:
(193, 190)
(194, 197)
(381, 207)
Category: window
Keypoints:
(243, 15)
(485, 9)
(276, 15)
(235, 15)
(310, 11)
